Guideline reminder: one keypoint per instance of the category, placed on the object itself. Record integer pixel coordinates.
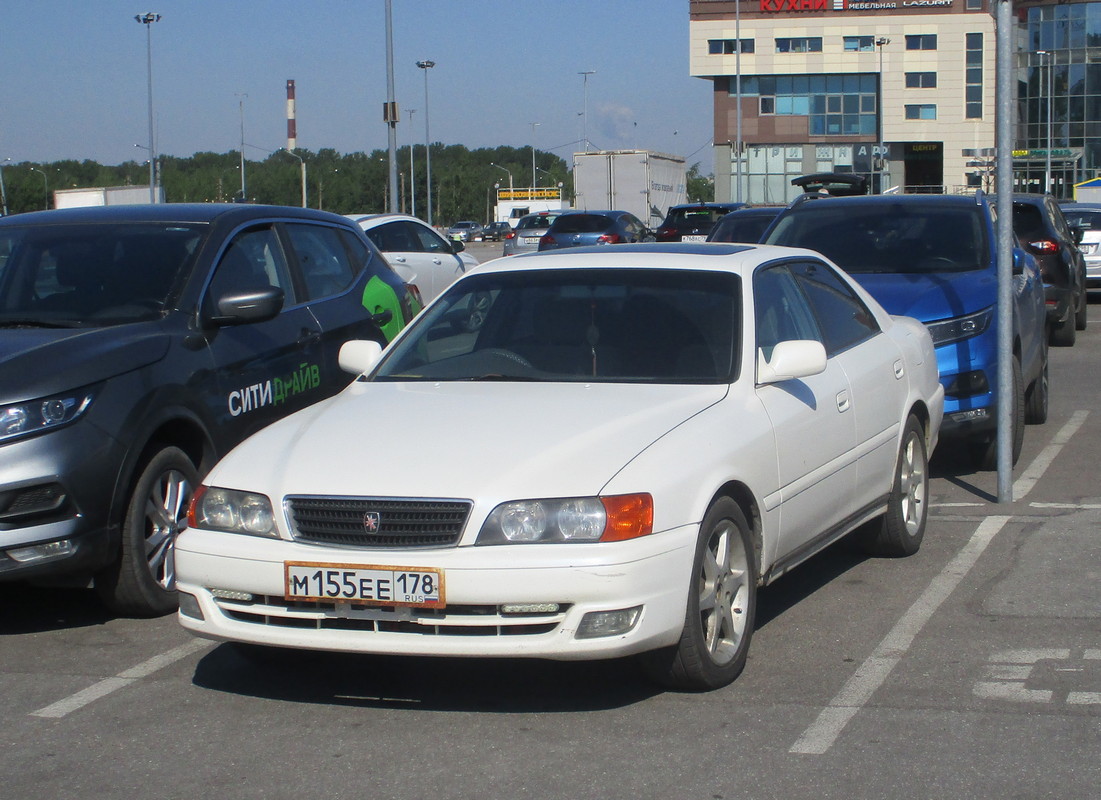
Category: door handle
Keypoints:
(400, 258)
(308, 336)
(843, 401)
(900, 369)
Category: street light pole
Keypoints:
(498, 166)
(585, 76)
(45, 187)
(881, 42)
(302, 163)
(1050, 128)
(427, 65)
(241, 106)
(412, 175)
(147, 20)
(534, 177)
(3, 191)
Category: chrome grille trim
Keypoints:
(401, 522)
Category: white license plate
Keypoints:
(532, 239)
(1087, 248)
(693, 237)
(394, 586)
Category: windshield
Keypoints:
(887, 237)
(92, 274)
(590, 325)
(582, 223)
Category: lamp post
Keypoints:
(412, 175)
(585, 77)
(498, 166)
(147, 20)
(880, 43)
(3, 191)
(548, 174)
(534, 177)
(302, 163)
(241, 105)
(1050, 127)
(45, 187)
(427, 65)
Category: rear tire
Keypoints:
(901, 528)
(1037, 396)
(1081, 315)
(142, 582)
(722, 602)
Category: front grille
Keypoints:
(377, 522)
(32, 502)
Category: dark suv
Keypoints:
(934, 258)
(692, 222)
(138, 344)
(1043, 230)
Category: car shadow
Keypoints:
(489, 685)
(38, 609)
(955, 464)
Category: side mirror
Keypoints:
(791, 360)
(359, 356)
(457, 245)
(241, 308)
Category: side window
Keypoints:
(322, 259)
(252, 261)
(842, 315)
(428, 240)
(361, 256)
(780, 310)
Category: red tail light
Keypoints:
(546, 238)
(1044, 246)
(510, 235)
(609, 238)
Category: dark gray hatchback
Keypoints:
(138, 344)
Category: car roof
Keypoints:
(719, 257)
(378, 219)
(167, 212)
(811, 201)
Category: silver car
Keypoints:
(524, 238)
(1085, 218)
(465, 231)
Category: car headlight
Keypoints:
(570, 519)
(957, 328)
(232, 511)
(25, 419)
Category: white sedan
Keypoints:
(649, 434)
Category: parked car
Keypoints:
(692, 222)
(746, 224)
(465, 231)
(496, 231)
(934, 258)
(424, 259)
(138, 344)
(524, 238)
(1085, 220)
(1040, 225)
(550, 524)
(579, 228)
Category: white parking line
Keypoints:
(869, 676)
(1027, 480)
(108, 685)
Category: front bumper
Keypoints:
(651, 572)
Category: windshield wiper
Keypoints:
(39, 323)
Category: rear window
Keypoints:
(582, 223)
(535, 222)
(693, 217)
(1083, 219)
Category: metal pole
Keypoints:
(1004, 124)
(392, 137)
(241, 105)
(412, 174)
(738, 100)
(45, 188)
(585, 75)
(147, 20)
(881, 42)
(3, 191)
(427, 65)
(534, 177)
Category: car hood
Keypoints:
(461, 440)
(930, 297)
(38, 362)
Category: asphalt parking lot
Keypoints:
(972, 669)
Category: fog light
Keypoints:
(969, 416)
(232, 594)
(529, 608)
(189, 606)
(596, 624)
(41, 552)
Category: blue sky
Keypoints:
(73, 76)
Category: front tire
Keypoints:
(142, 581)
(986, 452)
(901, 528)
(722, 603)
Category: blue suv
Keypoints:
(934, 258)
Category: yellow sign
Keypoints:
(529, 194)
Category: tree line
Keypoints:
(463, 180)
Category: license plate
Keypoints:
(394, 586)
(693, 237)
(532, 239)
(1087, 248)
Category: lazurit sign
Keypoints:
(781, 6)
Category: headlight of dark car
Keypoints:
(49, 413)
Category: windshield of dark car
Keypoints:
(582, 223)
(887, 237)
(94, 274)
(589, 325)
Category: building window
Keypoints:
(727, 47)
(921, 41)
(921, 111)
(859, 44)
(921, 80)
(835, 105)
(973, 76)
(801, 44)
(974, 5)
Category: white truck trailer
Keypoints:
(515, 203)
(640, 181)
(104, 196)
